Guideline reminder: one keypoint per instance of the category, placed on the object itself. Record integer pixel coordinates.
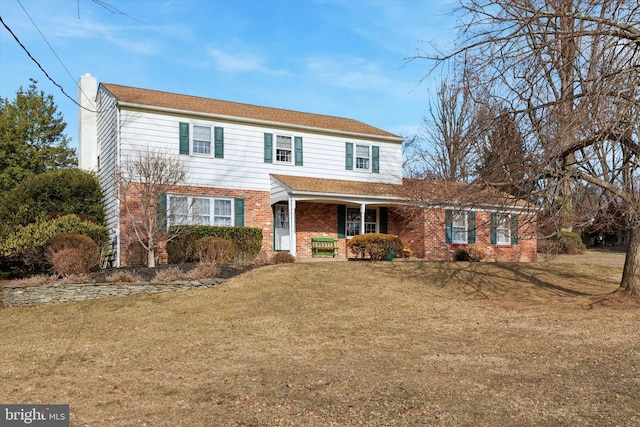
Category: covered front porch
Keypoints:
(308, 208)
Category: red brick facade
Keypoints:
(423, 234)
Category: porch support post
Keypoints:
(292, 226)
(362, 210)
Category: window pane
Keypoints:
(353, 221)
(283, 142)
(362, 157)
(201, 211)
(283, 148)
(222, 207)
(178, 210)
(201, 139)
(503, 230)
(362, 151)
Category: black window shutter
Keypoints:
(494, 228)
(342, 221)
(384, 222)
(514, 229)
(472, 227)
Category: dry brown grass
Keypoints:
(341, 344)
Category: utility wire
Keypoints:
(54, 52)
(43, 70)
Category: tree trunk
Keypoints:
(630, 283)
(151, 258)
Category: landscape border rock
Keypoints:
(15, 296)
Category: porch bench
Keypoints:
(324, 246)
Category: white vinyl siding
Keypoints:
(244, 166)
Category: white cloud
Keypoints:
(241, 62)
(350, 72)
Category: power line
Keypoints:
(52, 50)
(42, 69)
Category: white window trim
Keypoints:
(460, 228)
(211, 140)
(291, 150)
(503, 222)
(190, 216)
(355, 157)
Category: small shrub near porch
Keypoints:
(376, 246)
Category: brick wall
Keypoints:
(257, 213)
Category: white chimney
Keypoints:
(87, 128)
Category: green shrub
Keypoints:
(283, 258)
(566, 242)
(52, 194)
(88, 260)
(26, 245)
(213, 250)
(462, 255)
(376, 246)
(247, 242)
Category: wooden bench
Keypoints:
(324, 246)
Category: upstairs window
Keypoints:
(362, 157)
(283, 149)
(201, 140)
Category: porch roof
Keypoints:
(332, 189)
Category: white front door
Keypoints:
(282, 228)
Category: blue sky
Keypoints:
(342, 58)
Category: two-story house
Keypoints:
(295, 175)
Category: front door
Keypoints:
(282, 227)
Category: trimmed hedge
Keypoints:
(568, 243)
(377, 246)
(247, 242)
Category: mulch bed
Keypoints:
(225, 271)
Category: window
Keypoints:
(503, 229)
(459, 227)
(283, 149)
(353, 221)
(362, 157)
(188, 210)
(201, 140)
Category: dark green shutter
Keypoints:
(239, 208)
(268, 148)
(448, 226)
(219, 143)
(161, 212)
(342, 221)
(472, 227)
(384, 222)
(184, 138)
(494, 228)
(375, 159)
(514, 229)
(298, 150)
(348, 161)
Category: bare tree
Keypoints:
(446, 147)
(569, 71)
(144, 181)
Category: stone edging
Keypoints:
(13, 296)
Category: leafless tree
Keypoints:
(144, 181)
(445, 149)
(569, 71)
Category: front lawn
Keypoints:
(340, 344)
